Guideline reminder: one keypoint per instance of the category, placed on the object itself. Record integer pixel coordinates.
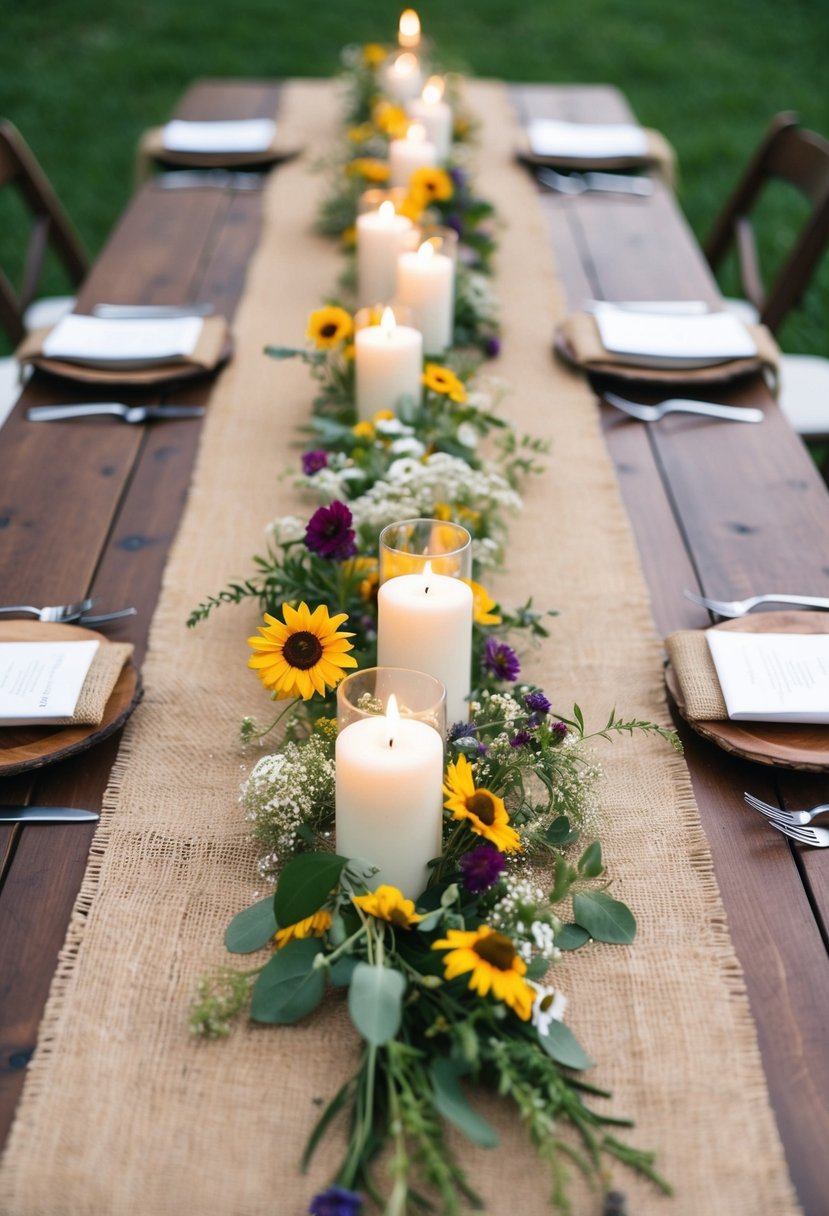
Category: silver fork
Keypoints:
(681, 405)
(55, 613)
(741, 607)
(818, 838)
(602, 183)
(795, 819)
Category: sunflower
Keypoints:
(361, 134)
(482, 604)
(443, 380)
(304, 655)
(329, 326)
(313, 926)
(485, 811)
(374, 54)
(430, 185)
(494, 963)
(388, 903)
(392, 120)
(363, 430)
(369, 168)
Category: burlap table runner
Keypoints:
(123, 1113)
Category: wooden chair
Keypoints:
(20, 310)
(50, 228)
(801, 159)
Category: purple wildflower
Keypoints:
(520, 739)
(313, 461)
(336, 1201)
(537, 701)
(458, 176)
(492, 346)
(560, 729)
(501, 660)
(482, 867)
(330, 534)
(455, 222)
(461, 730)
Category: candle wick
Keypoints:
(391, 742)
(426, 589)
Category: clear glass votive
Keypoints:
(365, 694)
(407, 546)
(365, 317)
(443, 240)
(370, 200)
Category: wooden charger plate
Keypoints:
(30, 747)
(717, 373)
(798, 745)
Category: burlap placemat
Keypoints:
(694, 668)
(123, 1113)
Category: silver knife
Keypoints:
(618, 183)
(47, 814)
(214, 179)
(116, 312)
(130, 413)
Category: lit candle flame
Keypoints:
(416, 132)
(388, 323)
(408, 31)
(432, 90)
(392, 717)
(426, 251)
(387, 212)
(406, 64)
(427, 574)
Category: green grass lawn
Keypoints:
(83, 79)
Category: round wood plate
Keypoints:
(786, 744)
(29, 747)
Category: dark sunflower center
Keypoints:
(481, 804)
(398, 917)
(497, 950)
(302, 650)
(329, 330)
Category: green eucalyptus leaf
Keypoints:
(375, 1000)
(342, 970)
(538, 968)
(289, 987)
(570, 937)
(605, 919)
(304, 885)
(560, 1043)
(252, 928)
(590, 862)
(452, 1103)
(563, 880)
(559, 831)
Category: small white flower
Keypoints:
(286, 529)
(408, 446)
(549, 1006)
(467, 435)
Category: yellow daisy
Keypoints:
(374, 54)
(494, 963)
(370, 168)
(482, 604)
(391, 119)
(412, 209)
(388, 903)
(484, 810)
(443, 380)
(430, 185)
(363, 430)
(312, 926)
(361, 134)
(329, 326)
(304, 655)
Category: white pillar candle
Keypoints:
(413, 152)
(424, 621)
(388, 365)
(389, 779)
(381, 238)
(402, 77)
(408, 28)
(426, 285)
(434, 115)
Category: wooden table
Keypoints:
(707, 514)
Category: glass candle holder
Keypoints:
(407, 546)
(365, 694)
(373, 316)
(370, 200)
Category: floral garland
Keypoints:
(453, 989)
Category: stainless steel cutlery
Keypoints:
(47, 814)
(129, 413)
(604, 183)
(150, 312)
(732, 608)
(682, 405)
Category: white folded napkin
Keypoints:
(97, 341)
(40, 682)
(772, 677)
(240, 135)
(674, 339)
(592, 141)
